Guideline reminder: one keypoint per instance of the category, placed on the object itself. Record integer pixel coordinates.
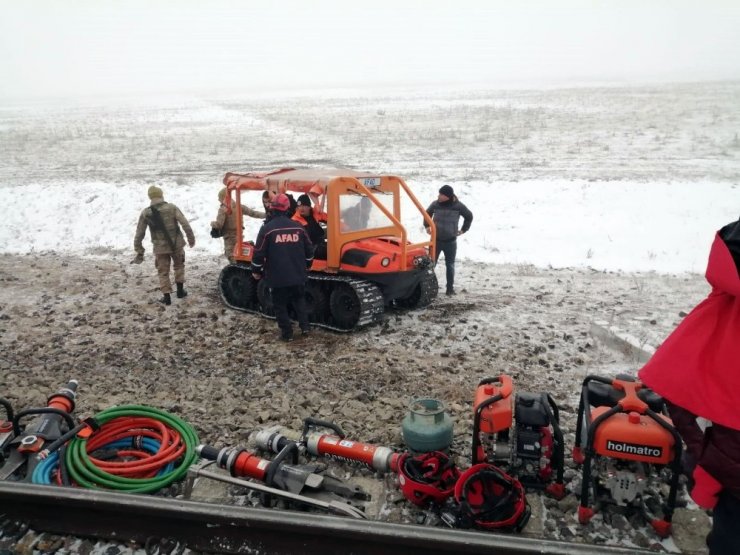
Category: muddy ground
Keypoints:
(96, 320)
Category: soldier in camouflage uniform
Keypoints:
(225, 224)
(163, 218)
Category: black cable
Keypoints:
(8, 409)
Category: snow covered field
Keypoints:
(605, 177)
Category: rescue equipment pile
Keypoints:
(625, 445)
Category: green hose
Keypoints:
(86, 474)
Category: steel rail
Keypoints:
(229, 529)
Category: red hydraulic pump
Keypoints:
(519, 431)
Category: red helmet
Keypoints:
(489, 498)
(427, 478)
(281, 203)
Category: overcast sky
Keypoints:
(93, 47)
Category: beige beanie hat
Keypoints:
(155, 192)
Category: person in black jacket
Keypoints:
(446, 212)
(309, 218)
(283, 253)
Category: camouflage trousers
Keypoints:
(229, 244)
(162, 263)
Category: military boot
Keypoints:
(166, 299)
(181, 291)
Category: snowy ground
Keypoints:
(662, 227)
(611, 178)
(590, 204)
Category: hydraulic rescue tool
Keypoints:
(625, 441)
(334, 446)
(334, 507)
(482, 497)
(521, 432)
(428, 478)
(424, 479)
(278, 473)
(53, 420)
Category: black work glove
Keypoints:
(215, 233)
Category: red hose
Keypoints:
(132, 462)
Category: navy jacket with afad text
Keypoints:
(283, 252)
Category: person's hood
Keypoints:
(698, 366)
(722, 269)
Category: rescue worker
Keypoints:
(163, 218)
(283, 253)
(309, 218)
(225, 224)
(267, 197)
(697, 371)
(446, 212)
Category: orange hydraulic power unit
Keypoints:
(520, 431)
(622, 420)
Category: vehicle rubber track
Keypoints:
(429, 288)
(424, 294)
(368, 297)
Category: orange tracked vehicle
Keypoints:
(369, 262)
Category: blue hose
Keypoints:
(44, 471)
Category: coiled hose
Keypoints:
(46, 470)
(138, 449)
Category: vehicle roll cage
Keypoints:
(326, 187)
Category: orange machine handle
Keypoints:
(505, 388)
(630, 402)
(507, 385)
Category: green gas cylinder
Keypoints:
(427, 426)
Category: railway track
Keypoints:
(229, 529)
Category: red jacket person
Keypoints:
(697, 370)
